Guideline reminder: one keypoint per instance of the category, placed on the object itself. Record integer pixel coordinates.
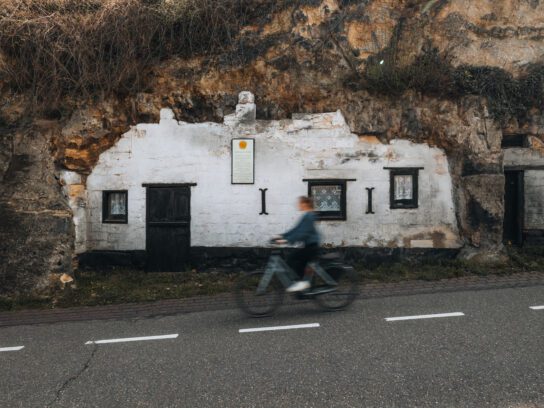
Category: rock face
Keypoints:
(36, 228)
(304, 56)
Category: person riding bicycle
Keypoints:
(306, 233)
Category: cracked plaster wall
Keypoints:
(311, 146)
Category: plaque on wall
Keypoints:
(243, 161)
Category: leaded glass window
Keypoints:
(404, 187)
(114, 206)
(118, 204)
(329, 198)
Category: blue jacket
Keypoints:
(304, 231)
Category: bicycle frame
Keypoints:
(277, 266)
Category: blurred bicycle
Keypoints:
(334, 285)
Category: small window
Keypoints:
(404, 187)
(514, 141)
(115, 207)
(329, 198)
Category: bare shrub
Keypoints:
(433, 74)
(85, 48)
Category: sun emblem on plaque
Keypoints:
(242, 144)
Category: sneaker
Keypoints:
(298, 286)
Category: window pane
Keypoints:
(118, 205)
(327, 198)
(403, 187)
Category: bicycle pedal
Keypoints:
(321, 290)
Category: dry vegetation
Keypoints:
(51, 47)
(433, 74)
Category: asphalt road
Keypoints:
(490, 356)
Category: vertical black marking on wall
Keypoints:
(369, 203)
(263, 201)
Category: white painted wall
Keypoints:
(287, 151)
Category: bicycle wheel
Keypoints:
(258, 305)
(346, 291)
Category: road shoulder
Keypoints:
(226, 301)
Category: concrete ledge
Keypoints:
(135, 259)
(534, 237)
(247, 257)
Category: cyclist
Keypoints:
(306, 233)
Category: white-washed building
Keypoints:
(170, 188)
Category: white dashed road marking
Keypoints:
(537, 307)
(273, 328)
(12, 348)
(428, 316)
(129, 339)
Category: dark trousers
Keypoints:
(300, 258)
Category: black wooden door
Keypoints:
(168, 232)
(513, 207)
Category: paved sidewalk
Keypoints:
(226, 300)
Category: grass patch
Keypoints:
(403, 271)
(118, 285)
(526, 259)
(121, 285)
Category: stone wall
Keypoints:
(36, 230)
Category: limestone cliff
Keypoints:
(396, 69)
